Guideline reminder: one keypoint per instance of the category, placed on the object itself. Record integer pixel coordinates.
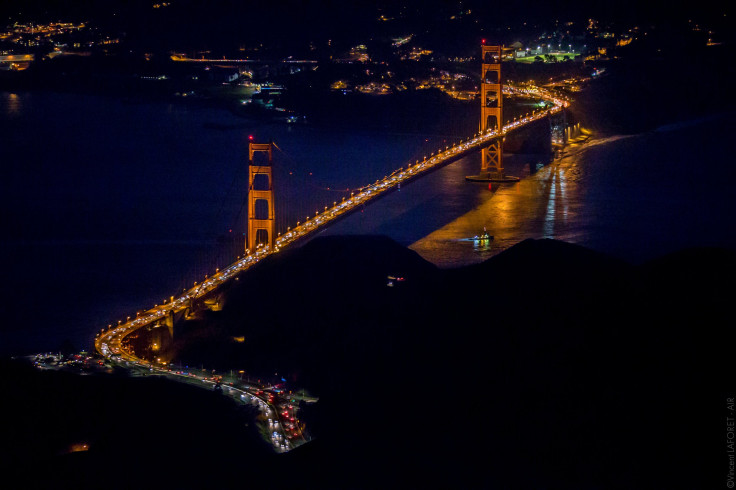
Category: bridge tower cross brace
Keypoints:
(255, 224)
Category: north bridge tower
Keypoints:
(491, 116)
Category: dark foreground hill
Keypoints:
(548, 366)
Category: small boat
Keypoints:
(484, 237)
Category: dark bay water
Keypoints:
(109, 207)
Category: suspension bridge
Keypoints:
(263, 239)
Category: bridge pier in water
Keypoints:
(261, 221)
(491, 116)
(558, 130)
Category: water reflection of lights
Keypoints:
(543, 205)
(12, 104)
(556, 213)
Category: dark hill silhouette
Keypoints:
(547, 366)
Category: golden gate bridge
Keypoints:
(264, 240)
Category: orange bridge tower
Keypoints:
(491, 116)
(261, 215)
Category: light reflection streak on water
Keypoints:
(13, 104)
(557, 205)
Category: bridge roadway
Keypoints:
(109, 343)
